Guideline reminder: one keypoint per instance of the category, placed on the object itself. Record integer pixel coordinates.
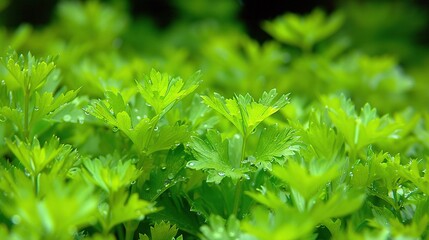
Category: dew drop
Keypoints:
(167, 183)
(67, 118)
(250, 159)
(163, 167)
(115, 129)
(147, 189)
(85, 111)
(16, 219)
(3, 82)
(139, 118)
(170, 176)
(156, 128)
(158, 191)
(246, 176)
(147, 104)
(36, 108)
(80, 120)
(221, 174)
(133, 182)
(237, 136)
(190, 164)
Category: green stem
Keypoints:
(26, 115)
(238, 189)
(36, 182)
(130, 228)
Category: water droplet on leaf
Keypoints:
(190, 164)
(85, 111)
(115, 129)
(67, 118)
(16, 219)
(81, 120)
(221, 174)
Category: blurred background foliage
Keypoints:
(369, 51)
(360, 48)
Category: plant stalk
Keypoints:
(26, 115)
(238, 188)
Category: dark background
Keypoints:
(163, 12)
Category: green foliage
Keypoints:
(97, 144)
(162, 231)
(244, 112)
(304, 32)
(161, 91)
(213, 155)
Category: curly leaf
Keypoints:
(245, 113)
(212, 156)
(162, 91)
(273, 145)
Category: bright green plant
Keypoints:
(97, 144)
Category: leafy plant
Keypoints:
(97, 144)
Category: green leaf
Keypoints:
(212, 156)
(299, 178)
(359, 130)
(341, 203)
(122, 209)
(219, 229)
(29, 73)
(161, 91)
(14, 115)
(36, 158)
(46, 105)
(110, 174)
(274, 144)
(161, 231)
(244, 112)
(324, 141)
(304, 31)
(166, 137)
(60, 209)
(267, 224)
